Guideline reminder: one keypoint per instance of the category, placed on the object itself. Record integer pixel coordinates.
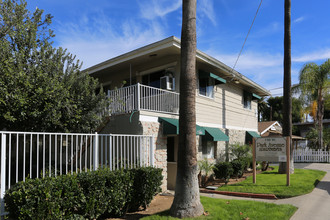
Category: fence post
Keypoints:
(3, 172)
(152, 156)
(138, 96)
(96, 152)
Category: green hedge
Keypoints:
(88, 195)
(223, 170)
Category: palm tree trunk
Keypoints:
(320, 111)
(287, 101)
(186, 201)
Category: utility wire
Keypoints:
(246, 37)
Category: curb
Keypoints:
(239, 194)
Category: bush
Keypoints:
(238, 168)
(48, 198)
(90, 195)
(223, 170)
(238, 151)
(146, 183)
(205, 167)
(247, 162)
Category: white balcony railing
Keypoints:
(140, 97)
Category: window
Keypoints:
(154, 79)
(206, 85)
(208, 149)
(247, 98)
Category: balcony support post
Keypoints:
(138, 96)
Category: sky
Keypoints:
(97, 30)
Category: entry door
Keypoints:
(172, 157)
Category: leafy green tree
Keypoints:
(42, 87)
(314, 84)
(274, 112)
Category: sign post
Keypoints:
(272, 149)
(288, 161)
(254, 161)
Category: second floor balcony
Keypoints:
(143, 98)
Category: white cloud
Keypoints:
(313, 56)
(151, 9)
(206, 8)
(298, 20)
(98, 39)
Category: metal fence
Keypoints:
(36, 155)
(141, 97)
(309, 155)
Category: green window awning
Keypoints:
(253, 134)
(250, 135)
(215, 134)
(218, 79)
(171, 126)
(255, 96)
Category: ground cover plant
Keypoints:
(237, 209)
(270, 182)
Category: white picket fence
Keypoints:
(309, 155)
(36, 155)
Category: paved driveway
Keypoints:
(312, 206)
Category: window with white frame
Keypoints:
(206, 85)
(208, 149)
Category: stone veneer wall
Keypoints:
(236, 136)
(160, 145)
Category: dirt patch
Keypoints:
(159, 204)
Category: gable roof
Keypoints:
(264, 126)
(172, 46)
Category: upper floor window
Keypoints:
(247, 98)
(206, 85)
(161, 79)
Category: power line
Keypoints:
(246, 37)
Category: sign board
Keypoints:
(272, 149)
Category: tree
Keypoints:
(41, 87)
(314, 87)
(274, 106)
(287, 103)
(262, 108)
(186, 201)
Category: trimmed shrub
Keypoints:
(223, 170)
(48, 198)
(238, 168)
(146, 184)
(88, 195)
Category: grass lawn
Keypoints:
(270, 182)
(238, 209)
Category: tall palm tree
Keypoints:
(186, 200)
(287, 100)
(314, 85)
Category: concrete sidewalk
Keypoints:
(315, 205)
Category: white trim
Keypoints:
(155, 69)
(148, 118)
(264, 131)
